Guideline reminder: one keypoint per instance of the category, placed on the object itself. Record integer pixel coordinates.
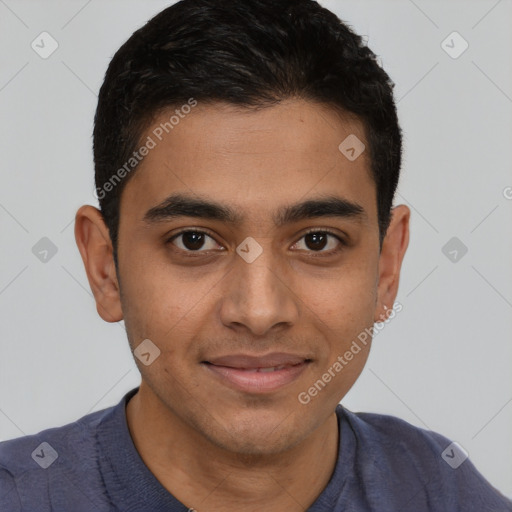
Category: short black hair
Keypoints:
(250, 53)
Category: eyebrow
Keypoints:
(180, 205)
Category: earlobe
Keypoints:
(393, 251)
(93, 241)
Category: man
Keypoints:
(247, 154)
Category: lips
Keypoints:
(266, 369)
(257, 374)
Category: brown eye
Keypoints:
(193, 241)
(316, 241)
(320, 241)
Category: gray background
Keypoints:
(442, 363)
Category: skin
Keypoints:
(213, 446)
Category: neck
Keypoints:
(205, 477)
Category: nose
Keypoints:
(259, 296)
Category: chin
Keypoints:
(258, 436)
(252, 445)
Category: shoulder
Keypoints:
(41, 450)
(9, 498)
(31, 465)
(416, 462)
(392, 434)
(393, 447)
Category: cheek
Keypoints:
(345, 299)
(147, 295)
(163, 302)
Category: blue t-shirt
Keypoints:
(384, 464)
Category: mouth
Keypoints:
(253, 374)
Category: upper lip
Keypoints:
(251, 362)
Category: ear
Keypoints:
(393, 250)
(93, 241)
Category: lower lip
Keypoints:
(258, 382)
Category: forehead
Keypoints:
(255, 160)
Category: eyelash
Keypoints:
(325, 231)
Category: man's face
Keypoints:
(217, 314)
